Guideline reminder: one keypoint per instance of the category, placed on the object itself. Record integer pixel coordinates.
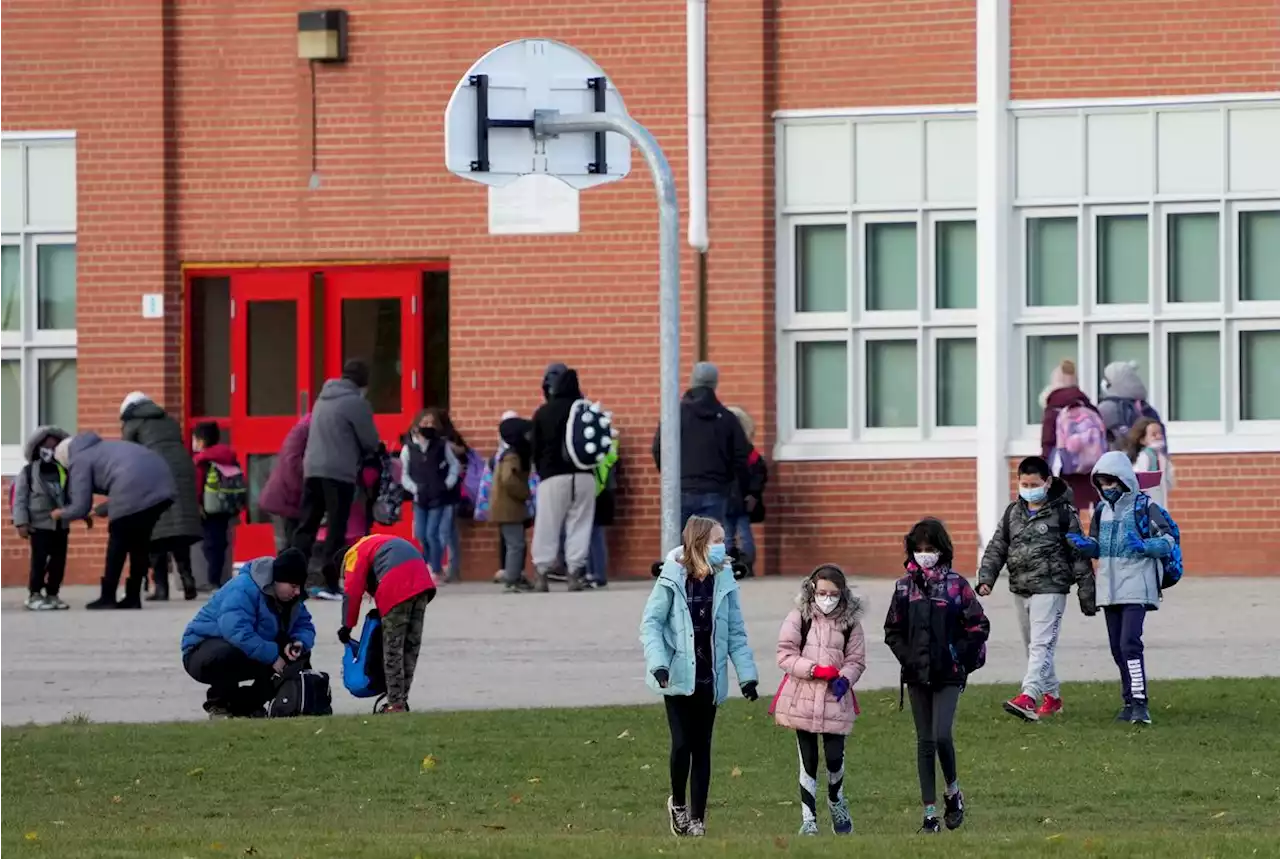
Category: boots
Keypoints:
(160, 589)
(108, 598)
(133, 591)
(188, 582)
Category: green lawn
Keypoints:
(1203, 781)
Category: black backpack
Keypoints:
(301, 692)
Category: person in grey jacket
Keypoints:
(39, 489)
(341, 438)
(138, 486)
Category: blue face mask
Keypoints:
(1034, 496)
(1112, 495)
(716, 554)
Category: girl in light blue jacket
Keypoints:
(692, 628)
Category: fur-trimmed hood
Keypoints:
(849, 612)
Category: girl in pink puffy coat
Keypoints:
(823, 653)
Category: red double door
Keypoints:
(291, 329)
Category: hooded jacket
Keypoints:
(145, 423)
(1124, 577)
(1035, 548)
(216, 454)
(132, 477)
(550, 458)
(1123, 390)
(388, 568)
(342, 434)
(246, 613)
(713, 446)
(39, 488)
(804, 703)
(935, 627)
(282, 494)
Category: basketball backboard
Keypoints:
(488, 124)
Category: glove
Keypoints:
(662, 676)
(344, 634)
(1134, 543)
(840, 687)
(1085, 545)
(826, 672)
(749, 691)
(1088, 605)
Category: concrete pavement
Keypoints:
(486, 650)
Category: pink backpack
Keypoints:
(1081, 439)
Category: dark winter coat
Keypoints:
(1083, 493)
(147, 424)
(550, 457)
(1034, 548)
(133, 478)
(342, 434)
(757, 477)
(713, 447)
(935, 627)
(282, 494)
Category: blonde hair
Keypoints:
(748, 425)
(695, 543)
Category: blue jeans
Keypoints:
(738, 539)
(598, 557)
(712, 505)
(215, 531)
(431, 528)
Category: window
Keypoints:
(1193, 259)
(1260, 375)
(822, 277)
(1044, 352)
(1260, 256)
(957, 395)
(1195, 376)
(1052, 262)
(822, 377)
(1122, 259)
(892, 380)
(956, 276)
(892, 280)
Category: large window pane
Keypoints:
(1052, 262)
(1260, 375)
(1195, 376)
(371, 333)
(822, 271)
(211, 346)
(891, 267)
(957, 381)
(1193, 257)
(258, 468)
(956, 265)
(11, 402)
(56, 287)
(57, 393)
(272, 383)
(11, 294)
(822, 389)
(1043, 354)
(1123, 271)
(1123, 347)
(892, 380)
(1260, 256)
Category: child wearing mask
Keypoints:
(429, 471)
(1129, 572)
(692, 628)
(1031, 542)
(822, 652)
(937, 630)
(1146, 449)
(39, 489)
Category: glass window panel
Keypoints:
(1260, 375)
(1260, 256)
(1043, 354)
(956, 265)
(57, 393)
(1123, 347)
(1193, 257)
(371, 333)
(1195, 376)
(257, 469)
(56, 287)
(1052, 262)
(272, 383)
(822, 389)
(822, 270)
(11, 402)
(211, 347)
(1123, 270)
(435, 318)
(892, 382)
(11, 291)
(891, 267)
(957, 382)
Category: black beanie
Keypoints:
(356, 372)
(290, 567)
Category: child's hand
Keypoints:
(663, 678)
(56, 514)
(825, 672)
(749, 691)
(984, 590)
(24, 532)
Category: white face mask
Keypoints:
(926, 560)
(826, 604)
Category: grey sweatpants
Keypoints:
(565, 502)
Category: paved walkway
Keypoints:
(485, 650)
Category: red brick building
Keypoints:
(166, 148)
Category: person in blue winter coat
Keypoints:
(691, 629)
(250, 630)
(1128, 574)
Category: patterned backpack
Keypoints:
(1171, 564)
(588, 434)
(224, 490)
(1081, 439)
(473, 468)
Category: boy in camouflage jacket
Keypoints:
(1031, 542)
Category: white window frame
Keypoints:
(866, 338)
(789, 367)
(929, 359)
(865, 317)
(1025, 312)
(934, 314)
(788, 305)
(1168, 331)
(1236, 305)
(1232, 351)
(1193, 309)
(1092, 303)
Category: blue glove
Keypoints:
(1152, 547)
(839, 687)
(1085, 545)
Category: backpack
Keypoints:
(388, 502)
(469, 484)
(484, 495)
(588, 434)
(1171, 565)
(1131, 411)
(301, 692)
(363, 673)
(224, 490)
(1080, 440)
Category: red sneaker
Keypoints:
(1023, 706)
(1049, 706)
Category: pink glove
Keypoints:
(826, 672)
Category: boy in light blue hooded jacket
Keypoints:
(1129, 572)
(691, 629)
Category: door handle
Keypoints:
(233, 383)
(413, 377)
(303, 402)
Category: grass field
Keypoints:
(1204, 781)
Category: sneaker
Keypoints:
(697, 829)
(931, 826)
(540, 583)
(217, 712)
(37, 602)
(577, 583)
(679, 817)
(841, 822)
(1023, 706)
(1140, 715)
(954, 815)
(325, 594)
(1125, 714)
(558, 575)
(513, 588)
(500, 577)
(55, 602)
(808, 827)
(1050, 706)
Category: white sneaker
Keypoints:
(55, 603)
(37, 602)
(697, 829)
(326, 594)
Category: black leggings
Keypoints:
(833, 747)
(934, 709)
(692, 718)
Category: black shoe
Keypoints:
(160, 593)
(931, 826)
(678, 816)
(955, 810)
(1140, 714)
(1126, 714)
(108, 598)
(188, 584)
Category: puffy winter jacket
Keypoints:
(806, 704)
(342, 435)
(144, 422)
(389, 568)
(1034, 548)
(245, 613)
(132, 477)
(935, 627)
(282, 494)
(1124, 577)
(713, 447)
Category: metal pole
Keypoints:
(549, 124)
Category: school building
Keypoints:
(914, 209)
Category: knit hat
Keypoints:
(705, 375)
(290, 567)
(132, 399)
(62, 453)
(508, 415)
(356, 372)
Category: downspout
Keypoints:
(696, 71)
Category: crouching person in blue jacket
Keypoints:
(249, 631)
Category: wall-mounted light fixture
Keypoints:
(322, 35)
